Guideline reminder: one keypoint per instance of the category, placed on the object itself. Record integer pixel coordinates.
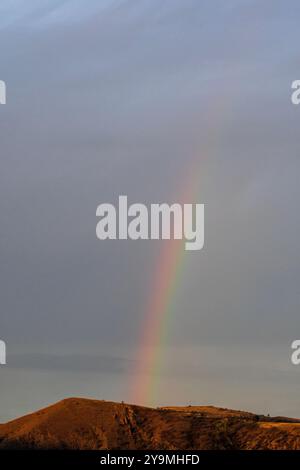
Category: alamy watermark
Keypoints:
(2, 92)
(295, 97)
(160, 221)
(295, 356)
(2, 353)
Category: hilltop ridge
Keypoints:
(80, 423)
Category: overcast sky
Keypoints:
(111, 97)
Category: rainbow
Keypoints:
(165, 283)
(167, 275)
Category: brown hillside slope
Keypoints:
(77, 423)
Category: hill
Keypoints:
(78, 423)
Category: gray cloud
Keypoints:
(124, 97)
(74, 362)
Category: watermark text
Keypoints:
(159, 221)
